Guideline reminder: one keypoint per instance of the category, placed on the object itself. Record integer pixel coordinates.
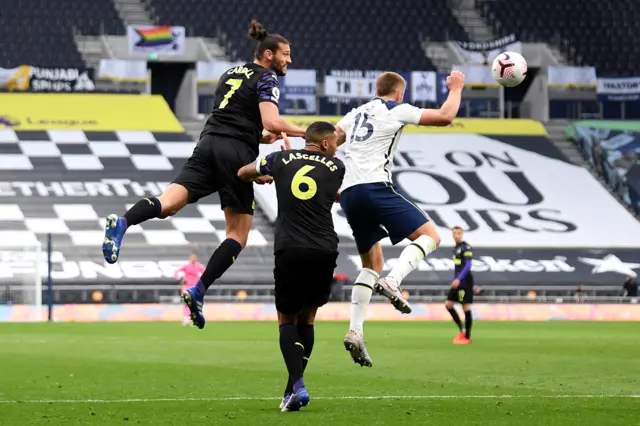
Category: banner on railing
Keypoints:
(352, 84)
(619, 89)
(298, 93)
(477, 76)
(423, 86)
(210, 72)
(163, 40)
(485, 52)
(572, 77)
(28, 78)
(123, 70)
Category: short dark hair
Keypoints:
(318, 131)
(457, 228)
(265, 40)
(388, 83)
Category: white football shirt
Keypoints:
(373, 131)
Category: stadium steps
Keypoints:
(439, 54)
(471, 20)
(133, 12)
(557, 130)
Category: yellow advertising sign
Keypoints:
(482, 126)
(92, 112)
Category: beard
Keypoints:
(279, 68)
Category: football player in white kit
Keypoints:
(375, 208)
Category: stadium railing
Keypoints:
(238, 293)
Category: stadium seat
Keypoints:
(603, 34)
(325, 35)
(40, 32)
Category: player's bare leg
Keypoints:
(238, 227)
(172, 200)
(372, 263)
(296, 344)
(424, 240)
(449, 305)
(465, 338)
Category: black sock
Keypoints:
(292, 351)
(307, 338)
(468, 320)
(143, 210)
(455, 317)
(220, 261)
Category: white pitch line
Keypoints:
(326, 398)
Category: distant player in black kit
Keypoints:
(246, 102)
(461, 287)
(306, 244)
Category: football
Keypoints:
(509, 69)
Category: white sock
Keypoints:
(360, 297)
(411, 257)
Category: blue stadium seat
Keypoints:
(591, 32)
(40, 32)
(369, 34)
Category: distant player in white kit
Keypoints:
(375, 208)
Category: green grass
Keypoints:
(146, 373)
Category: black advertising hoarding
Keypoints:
(515, 267)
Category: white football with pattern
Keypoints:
(509, 69)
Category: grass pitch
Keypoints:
(232, 373)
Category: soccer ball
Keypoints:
(509, 69)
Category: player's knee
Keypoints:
(241, 238)
(448, 304)
(376, 264)
(173, 199)
(436, 239)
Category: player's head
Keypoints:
(323, 136)
(457, 234)
(391, 85)
(272, 50)
(193, 258)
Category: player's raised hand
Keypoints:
(269, 138)
(261, 180)
(287, 142)
(455, 80)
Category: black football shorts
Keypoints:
(463, 294)
(213, 167)
(303, 278)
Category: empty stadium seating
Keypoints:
(369, 34)
(40, 32)
(591, 32)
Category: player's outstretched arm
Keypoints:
(260, 171)
(248, 172)
(449, 110)
(273, 122)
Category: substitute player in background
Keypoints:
(375, 208)
(306, 244)
(189, 274)
(246, 102)
(461, 287)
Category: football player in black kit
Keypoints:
(306, 244)
(246, 102)
(461, 287)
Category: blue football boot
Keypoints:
(195, 301)
(113, 234)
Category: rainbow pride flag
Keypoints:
(156, 36)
